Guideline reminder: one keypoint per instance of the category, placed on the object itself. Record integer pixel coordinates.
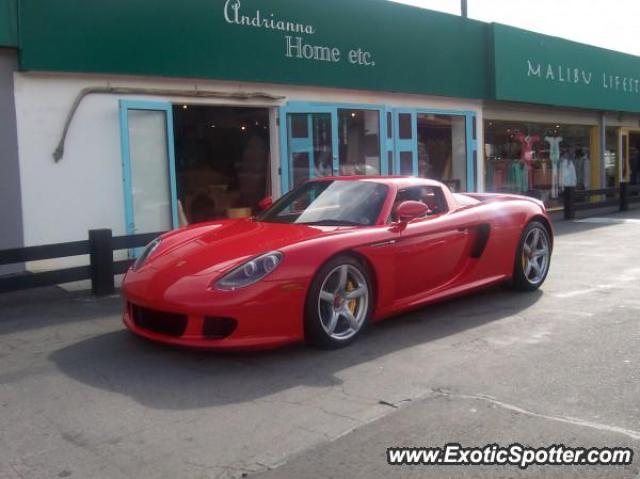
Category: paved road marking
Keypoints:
(609, 221)
(627, 276)
(565, 419)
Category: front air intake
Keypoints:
(218, 328)
(168, 324)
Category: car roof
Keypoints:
(398, 181)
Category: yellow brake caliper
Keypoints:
(353, 303)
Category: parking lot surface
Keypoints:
(81, 397)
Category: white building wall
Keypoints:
(62, 201)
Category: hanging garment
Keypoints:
(554, 147)
(554, 156)
(527, 154)
(578, 162)
(567, 174)
(527, 145)
(526, 177)
(518, 177)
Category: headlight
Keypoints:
(146, 252)
(250, 272)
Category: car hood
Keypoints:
(217, 247)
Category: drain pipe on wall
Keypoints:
(59, 151)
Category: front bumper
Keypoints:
(262, 316)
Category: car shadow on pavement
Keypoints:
(177, 379)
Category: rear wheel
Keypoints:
(533, 257)
(339, 303)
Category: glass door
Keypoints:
(148, 166)
(321, 140)
(361, 142)
(405, 128)
(311, 144)
(444, 143)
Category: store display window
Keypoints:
(442, 149)
(536, 159)
(222, 161)
(359, 140)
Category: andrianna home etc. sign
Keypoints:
(295, 46)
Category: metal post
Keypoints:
(624, 196)
(463, 8)
(603, 148)
(569, 203)
(101, 254)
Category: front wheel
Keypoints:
(533, 257)
(339, 303)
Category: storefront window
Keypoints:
(442, 149)
(537, 159)
(359, 139)
(222, 160)
(324, 139)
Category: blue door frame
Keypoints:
(166, 107)
(387, 144)
(406, 145)
(306, 144)
(289, 146)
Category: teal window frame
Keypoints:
(393, 144)
(125, 106)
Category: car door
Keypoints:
(429, 252)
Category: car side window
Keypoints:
(432, 196)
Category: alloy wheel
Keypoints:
(535, 256)
(343, 302)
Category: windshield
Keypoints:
(330, 203)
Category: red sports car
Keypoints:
(328, 259)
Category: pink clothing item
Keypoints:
(527, 152)
(527, 145)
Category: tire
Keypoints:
(339, 304)
(533, 257)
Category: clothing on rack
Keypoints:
(583, 171)
(527, 153)
(518, 177)
(567, 174)
(554, 155)
(554, 147)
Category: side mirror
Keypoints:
(410, 210)
(265, 203)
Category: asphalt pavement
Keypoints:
(80, 397)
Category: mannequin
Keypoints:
(527, 154)
(554, 154)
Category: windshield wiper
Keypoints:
(330, 222)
